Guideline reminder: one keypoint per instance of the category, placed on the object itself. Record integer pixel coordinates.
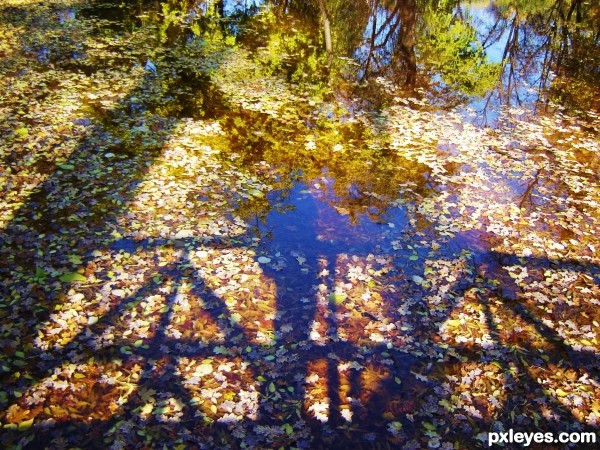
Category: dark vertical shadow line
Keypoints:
(333, 375)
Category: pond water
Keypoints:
(298, 224)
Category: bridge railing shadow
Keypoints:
(278, 405)
(524, 343)
(168, 350)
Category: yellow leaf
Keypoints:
(147, 408)
(561, 393)
(22, 132)
(26, 425)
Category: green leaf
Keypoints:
(148, 407)
(446, 404)
(66, 166)
(126, 350)
(75, 259)
(40, 275)
(22, 132)
(337, 299)
(72, 276)
(272, 387)
(429, 426)
(220, 350)
(26, 425)
(417, 279)
(397, 425)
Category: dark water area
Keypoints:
(335, 229)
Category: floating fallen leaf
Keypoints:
(72, 277)
(561, 393)
(337, 298)
(25, 425)
(256, 193)
(40, 274)
(22, 132)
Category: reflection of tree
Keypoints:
(575, 56)
(362, 172)
(551, 46)
(392, 42)
(411, 43)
